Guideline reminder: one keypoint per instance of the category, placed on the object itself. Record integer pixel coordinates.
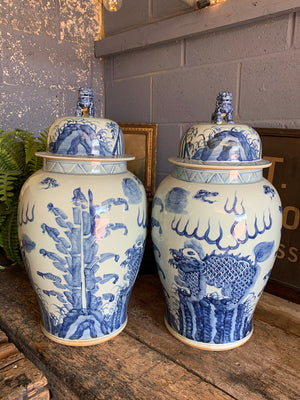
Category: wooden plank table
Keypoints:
(19, 377)
(145, 361)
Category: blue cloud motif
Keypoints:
(263, 251)
(132, 191)
(177, 200)
(27, 244)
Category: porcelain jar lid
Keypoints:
(221, 144)
(84, 136)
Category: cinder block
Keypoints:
(108, 63)
(153, 59)
(37, 17)
(270, 87)
(168, 140)
(190, 94)
(168, 8)
(132, 13)
(264, 37)
(128, 100)
(297, 32)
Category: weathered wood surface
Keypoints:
(279, 312)
(145, 361)
(19, 378)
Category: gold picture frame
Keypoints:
(141, 142)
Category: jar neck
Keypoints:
(84, 167)
(220, 177)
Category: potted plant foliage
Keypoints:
(17, 163)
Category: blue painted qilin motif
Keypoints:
(83, 311)
(224, 314)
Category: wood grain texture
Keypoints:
(22, 381)
(279, 312)
(145, 361)
(19, 378)
(266, 367)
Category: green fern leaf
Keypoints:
(30, 146)
(9, 237)
(4, 211)
(8, 182)
(8, 163)
(17, 162)
(13, 146)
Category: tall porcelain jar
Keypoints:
(216, 226)
(82, 229)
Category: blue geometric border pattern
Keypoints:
(85, 168)
(216, 176)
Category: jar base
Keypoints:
(208, 346)
(83, 342)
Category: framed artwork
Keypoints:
(282, 147)
(141, 142)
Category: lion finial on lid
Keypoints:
(223, 110)
(85, 103)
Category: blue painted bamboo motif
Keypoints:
(82, 311)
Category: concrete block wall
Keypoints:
(135, 13)
(175, 84)
(46, 54)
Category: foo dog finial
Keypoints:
(85, 103)
(223, 110)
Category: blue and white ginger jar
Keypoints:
(216, 225)
(82, 230)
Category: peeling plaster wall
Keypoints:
(175, 84)
(46, 55)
